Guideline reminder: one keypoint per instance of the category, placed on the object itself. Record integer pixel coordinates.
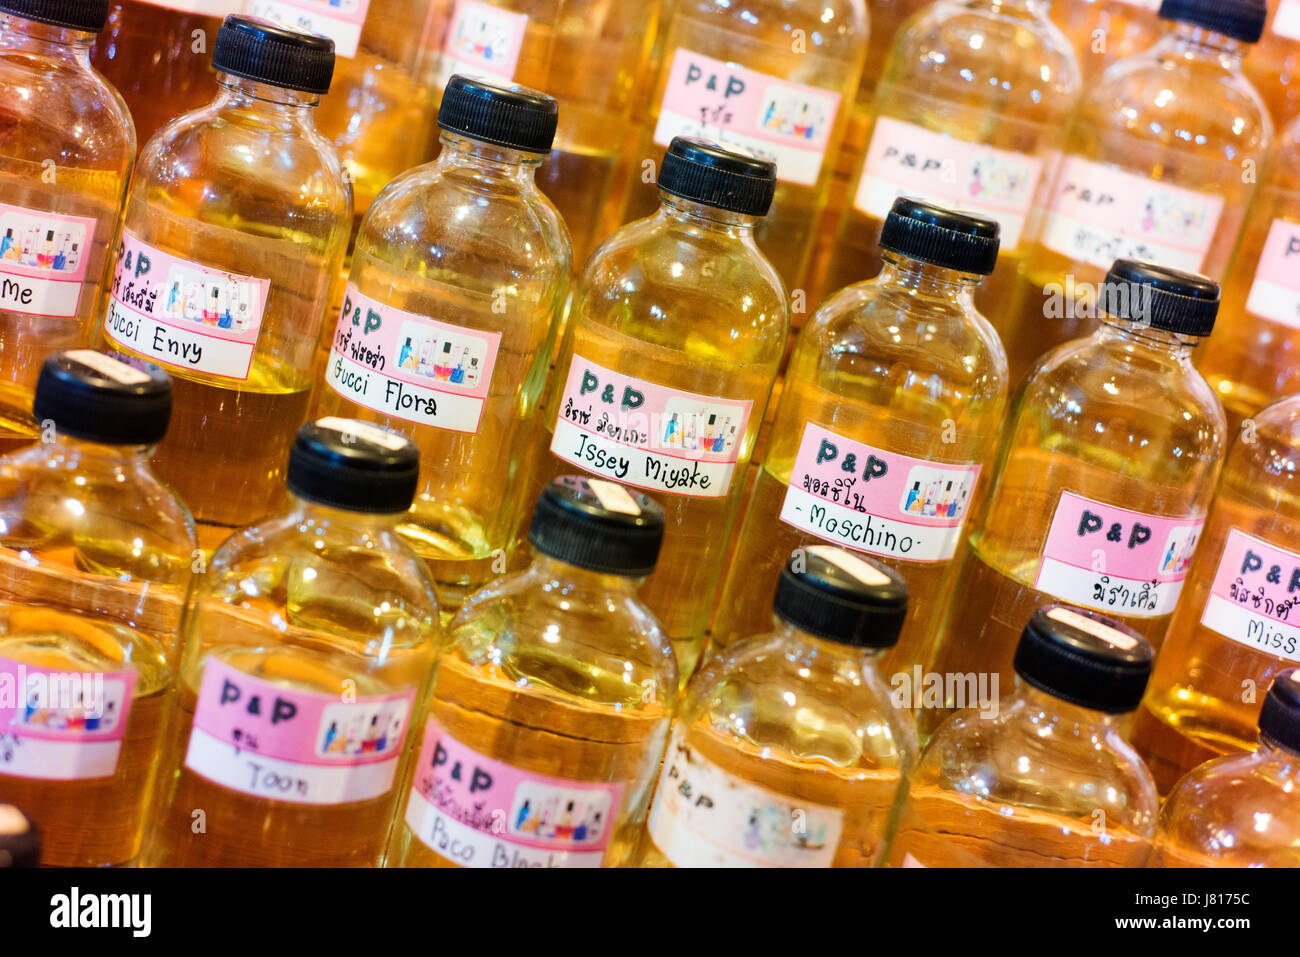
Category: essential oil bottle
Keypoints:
(1044, 777)
(234, 233)
(1104, 31)
(1238, 625)
(1274, 64)
(1104, 475)
(788, 750)
(493, 306)
(66, 149)
(310, 642)
(96, 562)
(1240, 811)
(773, 77)
(555, 691)
(889, 413)
(963, 124)
(674, 336)
(1166, 178)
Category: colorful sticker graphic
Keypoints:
(1275, 291)
(482, 40)
(1255, 596)
(43, 259)
(340, 20)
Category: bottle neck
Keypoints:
(1187, 41)
(42, 39)
(1032, 8)
(486, 159)
(1141, 337)
(264, 100)
(807, 647)
(1045, 708)
(925, 279)
(329, 522)
(1283, 762)
(84, 452)
(686, 212)
(583, 581)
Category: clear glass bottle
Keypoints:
(66, 149)
(1160, 161)
(456, 356)
(1105, 473)
(1274, 67)
(788, 749)
(233, 237)
(775, 77)
(890, 410)
(555, 691)
(1238, 624)
(1043, 778)
(1240, 811)
(96, 562)
(969, 112)
(1254, 360)
(674, 336)
(1104, 31)
(309, 645)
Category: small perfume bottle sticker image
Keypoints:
(458, 373)
(61, 252)
(6, 244)
(913, 498)
(472, 373)
(173, 307)
(45, 258)
(404, 357)
(74, 257)
(673, 431)
(445, 368)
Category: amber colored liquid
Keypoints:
(578, 181)
(1273, 66)
(941, 828)
(544, 735)
(1104, 31)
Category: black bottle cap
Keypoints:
(1240, 19)
(707, 173)
(1183, 302)
(87, 15)
(261, 50)
(1085, 659)
(511, 116)
(20, 844)
(353, 465)
(1279, 718)
(837, 595)
(92, 396)
(940, 236)
(598, 525)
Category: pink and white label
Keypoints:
(787, 123)
(1286, 22)
(877, 501)
(643, 434)
(904, 158)
(207, 8)
(302, 747)
(482, 40)
(340, 20)
(704, 817)
(479, 812)
(1114, 559)
(410, 366)
(1275, 292)
(62, 725)
(1097, 214)
(182, 314)
(1255, 596)
(43, 259)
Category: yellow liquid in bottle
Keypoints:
(1103, 31)
(1275, 62)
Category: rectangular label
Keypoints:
(704, 817)
(1255, 595)
(182, 314)
(1114, 559)
(1275, 292)
(1286, 22)
(62, 725)
(410, 366)
(904, 158)
(877, 501)
(340, 20)
(43, 259)
(303, 747)
(643, 434)
(1098, 214)
(787, 123)
(208, 8)
(479, 812)
(482, 40)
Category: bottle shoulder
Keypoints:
(841, 33)
(1233, 808)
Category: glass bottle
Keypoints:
(891, 407)
(1255, 359)
(555, 690)
(494, 302)
(775, 77)
(788, 749)
(96, 561)
(1274, 67)
(1238, 625)
(969, 112)
(1103, 479)
(675, 332)
(1044, 777)
(309, 644)
(234, 233)
(1240, 811)
(1104, 31)
(1160, 162)
(66, 148)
